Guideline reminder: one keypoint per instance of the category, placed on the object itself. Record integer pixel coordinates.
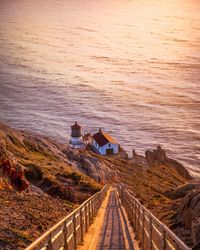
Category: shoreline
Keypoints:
(193, 169)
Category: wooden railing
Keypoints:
(150, 232)
(69, 232)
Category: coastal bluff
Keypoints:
(59, 178)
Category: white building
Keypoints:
(104, 144)
(76, 140)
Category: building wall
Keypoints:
(115, 148)
(102, 150)
(96, 145)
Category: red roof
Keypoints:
(103, 138)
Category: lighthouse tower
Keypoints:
(76, 140)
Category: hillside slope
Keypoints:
(56, 186)
(61, 178)
(165, 188)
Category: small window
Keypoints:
(109, 145)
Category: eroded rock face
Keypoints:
(182, 191)
(11, 172)
(191, 213)
(90, 165)
(158, 156)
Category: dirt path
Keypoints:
(110, 229)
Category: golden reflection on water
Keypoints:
(132, 64)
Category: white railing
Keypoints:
(69, 232)
(150, 232)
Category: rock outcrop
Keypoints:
(158, 156)
(191, 213)
(89, 164)
(11, 173)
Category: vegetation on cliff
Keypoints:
(55, 187)
(61, 178)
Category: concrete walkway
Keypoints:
(110, 229)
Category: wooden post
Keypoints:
(138, 223)
(49, 246)
(150, 232)
(132, 211)
(65, 235)
(99, 200)
(143, 220)
(163, 238)
(96, 205)
(99, 204)
(86, 218)
(74, 223)
(81, 223)
(89, 212)
(122, 196)
(136, 205)
(92, 207)
(135, 215)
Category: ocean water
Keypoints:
(131, 67)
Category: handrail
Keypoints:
(68, 233)
(151, 233)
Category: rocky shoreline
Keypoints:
(63, 177)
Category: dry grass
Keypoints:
(56, 188)
(63, 187)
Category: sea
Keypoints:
(131, 67)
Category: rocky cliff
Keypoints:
(39, 185)
(159, 156)
(60, 178)
(191, 211)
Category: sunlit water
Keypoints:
(130, 67)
